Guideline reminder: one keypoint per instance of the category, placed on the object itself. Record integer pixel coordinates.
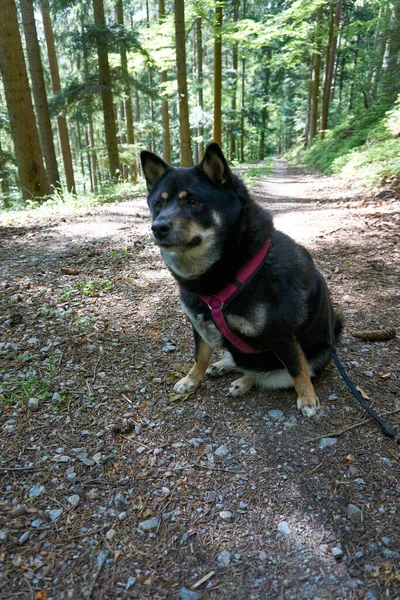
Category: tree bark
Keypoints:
(217, 124)
(164, 102)
(130, 131)
(242, 102)
(110, 129)
(316, 77)
(32, 174)
(391, 78)
(39, 93)
(200, 95)
(235, 61)
(186, 156)
(330, 67)
(56, 85)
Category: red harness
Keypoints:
(219, 302)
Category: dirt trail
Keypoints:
(112, 487)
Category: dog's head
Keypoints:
(192, 208)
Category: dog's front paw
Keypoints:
(220, 367)
(241, 386)
(185, 386)
(308, 405)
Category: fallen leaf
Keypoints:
(69, 271)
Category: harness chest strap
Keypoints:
(217, 302)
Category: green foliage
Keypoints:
(364, 149)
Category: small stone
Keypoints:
(130, 583)
(283, 527)
(56, 397)
(97, 458)
(368, 373)
(385, 540)
(55, 513)
(186, 594)
(110, 534)
(24, 538)
(122, 515)
(36, 490)
(36, 523)
(353, 471)
(327, 443)
(33, 404)
(120, 501)
(243, 506)
(276, 415)
(222, 451)
(149, 524)
(226, 515)
(387, 461)
(354, 512)
(224, 558)
(337, 552)
(73, 500)
(32, 341)
(3, 535)
(332, 397)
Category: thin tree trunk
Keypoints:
(164, 102)
(110, 129)
(93, 156)
(150, 80)
(264, 110)
(316, 77)
(242, 102)
(217, 124)
(186, 156)
(330, 67)
(391, 79)
(56, 86)
(382, 45)
(130, 131)
(235, 61)
(88, 157)
(3, 180)
(200, 98)
(39, 92)
(32, 174)
(351, 95)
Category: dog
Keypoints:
(276, 326)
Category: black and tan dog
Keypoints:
(274, 329)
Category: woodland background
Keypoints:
(86, 85)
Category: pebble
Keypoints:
(385, 540)
(122, 515)
(283, 527)
(36, 523)
(32, 341)
(353, 471)
(226, 515)
(222, 451)
(224, 558)
(386, 461)
(36, 490)
(74, 499)
(276, 415)
(131, 582)
(33, 404)
(337, 552)
(149, 524)
(3, 535)
(24, 538)
(186, 594)
(327, 442)
(55, 513)
(332, 397)
(120, 501)
(354, 512)
(368, 373)
(110, 534)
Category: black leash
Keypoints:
(387, 429)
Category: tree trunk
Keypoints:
(56, 85)
(39, 93)
(331, 56)
(381, 50)
(316, 77)
(217, 124)
(235, 60)
(242, 102)
(130, 131)
(200, 98)
(150, 80)
(110, 129)
(391, 78)
(32, 174)
(3, 180)
(164, 103)
(186, 156)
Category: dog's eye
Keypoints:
(159, 204)
(193, 201)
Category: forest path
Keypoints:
(113, 487)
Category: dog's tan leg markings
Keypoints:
(197, 372)
(241, 386)
(221, 367)
(307, 401)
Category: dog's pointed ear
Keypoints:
(214, 164)
(153, 168)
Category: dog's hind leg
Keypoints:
(196, 374)
(293, 357)
(222, 367)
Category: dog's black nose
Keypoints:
(161, 229)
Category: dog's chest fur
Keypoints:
(205, 327)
